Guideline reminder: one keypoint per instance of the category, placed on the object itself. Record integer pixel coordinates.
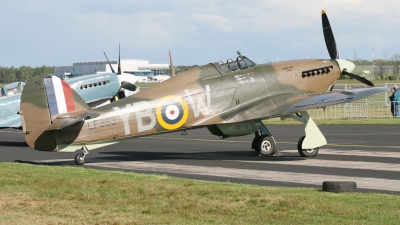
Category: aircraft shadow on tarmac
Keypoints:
(133, 156)
(14, 143)
(218, 155)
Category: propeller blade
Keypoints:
(121, 95)
(361, 79)
(119, 59)
(329, 38)
(109, 62)
(171, 65)
(128, 86)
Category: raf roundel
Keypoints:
(172, 112)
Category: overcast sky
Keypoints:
(59, 33)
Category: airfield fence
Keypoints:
(378, 106)
(366, 109)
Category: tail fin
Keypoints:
(49, 103)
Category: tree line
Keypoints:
(23, 73)
(384, 69)
(181, 69)
(388, 69)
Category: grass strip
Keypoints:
(34, 194)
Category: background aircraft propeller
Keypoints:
(119, 59)
(334, 53)
(123, 78)
(128, 86)
(113, 71)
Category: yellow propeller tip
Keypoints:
(323, 11)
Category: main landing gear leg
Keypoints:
(308, 146)
(80, 158)
(263, 142)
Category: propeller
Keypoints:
(127, 80)
(109, 62)
(171, 65)
(329, 38)
(128, 86)
(119, 59)
(344, 65)
(361, 79)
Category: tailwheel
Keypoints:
(80, 158)
(306, 152)
(265, 145)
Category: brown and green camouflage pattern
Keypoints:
(206, 96)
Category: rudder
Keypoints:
(43, 100)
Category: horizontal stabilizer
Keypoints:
(66, 120)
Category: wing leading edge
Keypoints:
(282, 105)
(330, 98)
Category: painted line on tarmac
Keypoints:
(331, 164)
(9, 131)
(350, 145)
(222, 140)
(321, 152)
(300, 178)
(363, 134)
(374, 154)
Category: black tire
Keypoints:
(79, 159)
(255, 142)
(339, 186)
(306, 152)
(265, 145)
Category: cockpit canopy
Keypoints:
(11, 89)
(231, 65)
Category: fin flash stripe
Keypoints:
(69, 99)
(59, 96)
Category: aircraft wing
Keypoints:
(281, 105)
(330, 98)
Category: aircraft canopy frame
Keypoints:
(231, 65)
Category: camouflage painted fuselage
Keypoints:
(202, 97)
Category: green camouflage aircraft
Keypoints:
(230, 98)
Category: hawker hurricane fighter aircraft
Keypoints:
(230, 98)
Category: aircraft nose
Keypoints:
(127, 78)
(345, 64)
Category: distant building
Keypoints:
(138, 67)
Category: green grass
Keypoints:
(32, 194)
(360, 68)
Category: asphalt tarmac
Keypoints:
(366, 154)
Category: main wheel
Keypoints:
(79, 159)
(306, 152)
(265, 145)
